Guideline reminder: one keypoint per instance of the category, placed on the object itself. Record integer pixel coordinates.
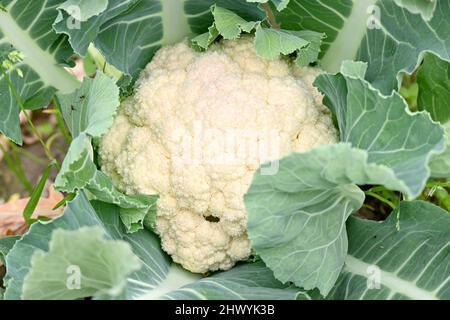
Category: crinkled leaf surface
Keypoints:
(89, 112)
(411, 261)
(375, 31)
(297, 216)
(129, 32)
(229, 24)
(26, 26)
(200, 16)
(92, 107)
(79, 263)
(383, 126)
(269, 43)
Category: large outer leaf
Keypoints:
(251, 281)
(18, 261)
(383, 126)
(103, 265)
(78, 214)
(158, 277)
(405, 257)
(392, 45)
(297, 216)
(82, 32)
(27, 26)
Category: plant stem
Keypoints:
(270, 16)
(60, 121)
(378, 197)
(48, 153)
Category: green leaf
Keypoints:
(424, 7)
(229, 24)
(160, 278)
(310, 53)
(79, 172)
(78, 168)
(387, 262)
(26, 27)
(314, 193)
(84, 9)
(279, 4)
(82, 236)
(36, 196)
(89, 112)
(81, 109)
(383, 126)
(200, 17)
(18, 261)
(134, 209)
(75, 244)
(6, 243)
(375, 31)
(251, 281)
(433, 79)
(204, 40)
(79, 264)
(82, 26)
(129, 32)
(440, 163)
(269, 43)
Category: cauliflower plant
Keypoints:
(195, 131)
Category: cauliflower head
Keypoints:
(195, 131)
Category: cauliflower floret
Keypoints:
(195, 131)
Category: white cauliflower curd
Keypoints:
(195, 131)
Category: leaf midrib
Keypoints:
(389, 280)
(41, 61)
